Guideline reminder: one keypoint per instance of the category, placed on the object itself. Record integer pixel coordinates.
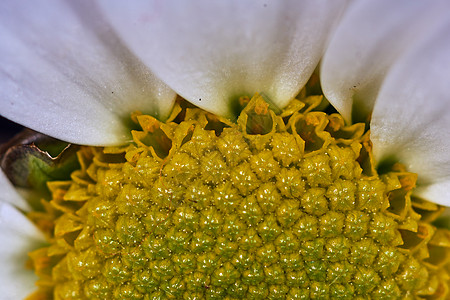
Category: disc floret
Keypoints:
(276, 205)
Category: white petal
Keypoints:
(10, 195)
(65, 73)
(411, 118)
(370, 37)
(18, 236)
(211, 52)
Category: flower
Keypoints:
(75, 71)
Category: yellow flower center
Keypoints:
(273, 206)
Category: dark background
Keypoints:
(8, 129)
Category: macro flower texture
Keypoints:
(242, 149)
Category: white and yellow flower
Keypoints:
(75, 70)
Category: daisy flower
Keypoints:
(212, 162)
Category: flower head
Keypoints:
(77, 70)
